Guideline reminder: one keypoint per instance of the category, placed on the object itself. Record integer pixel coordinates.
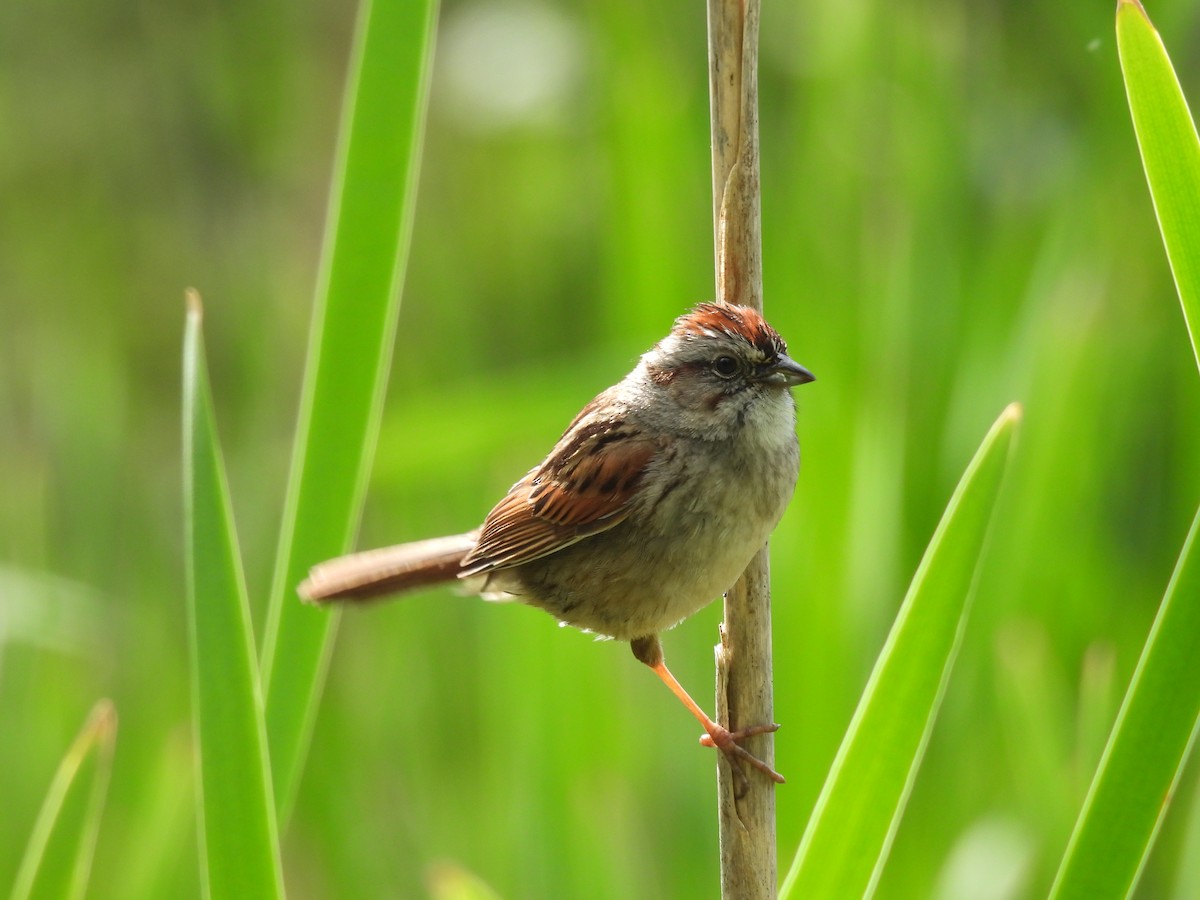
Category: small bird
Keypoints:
(650, 505)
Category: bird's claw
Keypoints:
(727, 742)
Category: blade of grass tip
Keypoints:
(1149, 744)
(354, 323)
(58, 858)
(1170, 149)
(850, 832)
(238, 838)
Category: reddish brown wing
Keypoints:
(583, 487)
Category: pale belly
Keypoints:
(666, 561)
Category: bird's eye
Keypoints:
(725, 366)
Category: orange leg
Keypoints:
(649, 651)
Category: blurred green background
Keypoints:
(954, 217)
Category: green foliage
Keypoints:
(954, 218)
(847, 840)
(1157, 724)
(235, 804)
(58, 858)
(1170, 149)
(1153, 734)
(354, 326)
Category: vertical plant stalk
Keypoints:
(746, 805)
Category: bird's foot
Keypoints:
(727, 742)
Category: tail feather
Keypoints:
(388, 570)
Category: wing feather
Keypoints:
(585, 486)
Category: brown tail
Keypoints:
(388, 570)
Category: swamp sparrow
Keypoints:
(651, 504)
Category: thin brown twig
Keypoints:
(746, 805)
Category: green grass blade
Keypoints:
(1170, 150)
(849, 834)
(349, 353)
(58, 858)
(239, 842)
(1146, 751)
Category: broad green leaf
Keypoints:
(354, 323)
(1170, 150)
(850, 832)
(1146, 751)
(238, 837)
(58, 858)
